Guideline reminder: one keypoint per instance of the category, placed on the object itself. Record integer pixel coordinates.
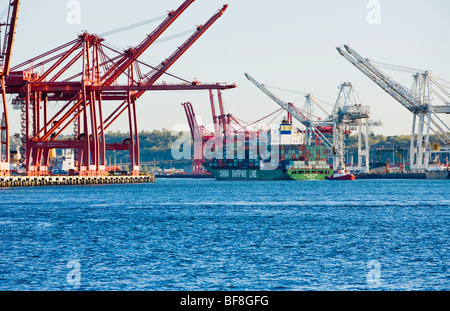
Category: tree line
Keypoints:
(157, 144)
(154, 145)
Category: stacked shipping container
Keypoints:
(241, 152)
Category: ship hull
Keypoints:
(309, 174)
(242, 160)
(346, 177)
(248, 174)
(437, 175)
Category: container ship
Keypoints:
(290, 158)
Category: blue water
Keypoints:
(217, 235)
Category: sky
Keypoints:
(285, 44)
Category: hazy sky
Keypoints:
(285, 43)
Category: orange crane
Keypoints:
(5, 62)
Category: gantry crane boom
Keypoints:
(157, 72)
(294, 112)
(199, 135)
(417, 100)
(5, 62)
(133, 54)
(10, 32)
(393, 88)
(192, 121)
(151, 77)
(213, 114)
(223, 122)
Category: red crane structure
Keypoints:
(5, 63)
(84, 74)
(200, 136)
(227, 129)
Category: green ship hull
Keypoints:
(241, 161)
(309, 174)
(248, 174)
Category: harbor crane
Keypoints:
(5, 66)
(227, 128)
(347, 113)
(291, 109)
(325, 127)
(417, 99)
(82, 75)
(199, 136)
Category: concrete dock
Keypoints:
(32, 181)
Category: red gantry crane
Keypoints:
(107, 76)
(227, 130)
(200, 136)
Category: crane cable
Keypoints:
(442, 80)
(281, 89)
(314, 99)
(253, 124)
(3, 14)
(142, 23)
(397, 67)
(132, 26)
(298, 92)
(259, 120)
(433, 79)
(113, 48)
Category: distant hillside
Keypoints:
(380, 141)
(155, 145)
(394, 148)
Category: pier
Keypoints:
(34, 181)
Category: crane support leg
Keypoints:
(412, 148)
(4, 157)
(427, 141)
(419, 140)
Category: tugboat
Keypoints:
(341, 175)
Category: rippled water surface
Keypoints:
(183, 234)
